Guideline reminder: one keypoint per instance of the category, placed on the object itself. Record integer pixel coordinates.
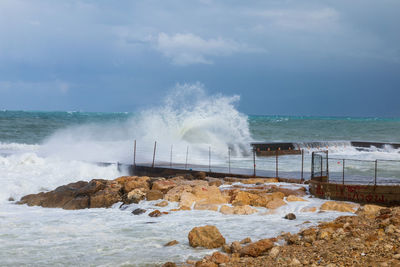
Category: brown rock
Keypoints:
(174, 194)
(155, 213)
(293, 198)
(309, 209)
(154, 195)
(187, 200)
(276, 203)
(163, 185)
(169, 264)
(246, 240)
(218, 258)
(236, 247)
(201, 206)
(163, 203)
(206, 236)
(244, 198)
(290, 216)
(257, 248)
(200, 175)
(226, 249)
(205, 264)
(105, 198)
(210, 194)
(339, 206)
(214, 181)
(239, 210)
(134, 196)
(130, 183)
(171, 243)
(296, 192)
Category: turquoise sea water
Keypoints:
(33, 127)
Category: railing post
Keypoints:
(154, 153)
(254, 162)
(312, 165)
(209, 158)
(376, 170)
(344, 162)
(229, 160)
(327, 166)
(187, 152)
(302, 165)
(134, 154)
(276, 163)
(170, 158)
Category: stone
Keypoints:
(246, 240)
(155, 213)
(238, 210)
(309, 209)
(154, 195)
(369, 209)
(257, 248)
(210, 194)
(218, 258)
(105, 198)
(130, 183)
(276, 203)
(187, 200)
(81, 202)
(295, 262)
(214, 181)
(169, 264)
(339, 206)
(206, 236)
(134, 196)
(290, 216)
(293, 198)
(171, 243)
(200, 175)
(244, 198)
(138, 211)
(226, 249)
(11, 199)
(201, 206)
(163, 185)
(301, 191)
(236, 247)
(163, 203)
(174, 194)
(274, 252)
(205, 264)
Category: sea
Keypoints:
(40, 150)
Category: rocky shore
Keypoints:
(368, 238)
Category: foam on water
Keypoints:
(114, 237)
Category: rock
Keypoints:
(257, 248)
(155, 213)
(130, 183)
(163, 203)
(200, 206)
(239, 210)
(236, 247)
(244, 198)
(187, 200)
(369, 209)
(169, 264)
(209, 194)
(174, 194)
(138, 211)
(277, 195)
(309, 209)
(295, 262)
(105, 198)
(301, 191)
(11, 199)
(205, 264)
(154, 195)
(218, 258)
(214, 181)
(290, 216)
(339, 206)
(171, 243)
(134, 196)
(206, 236)
(81, 202)
(274, 252)
(163, 185)
(200, 175)
(396, 256)
(276, 203)
(226, 249)
(293, 198)
(246, 240)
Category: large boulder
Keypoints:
(129, 183)
(293, 198)
(276, 203)
(206, 236)
(163, 185)
(238, 210)
(105, 198)
(210, 194)
(154, 195)
(340, 206)
(257, 248)
(244, 198)
(134, 196)
(187, 200)
(174, 194)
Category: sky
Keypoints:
(282, 57)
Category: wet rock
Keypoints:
(236, 247)
(226, 249)
(163, 203)
(81, 202)
(169, 264)
(290, 216)
(293, 198)
(274, 252)
(187, 200)
(218, 258)
(200, 175)
(154, 195)
(130, 183)
(369, 209)
(138, 211)
(214, 181)
(134, 196)
(171, 243)
(238, 210)
(11, 199)
(155, 213)
(205, 263)
(201, 206)
(309, 209)
(246, 240)
(206, 236)
(208, 194)
(174, 194)
(163, 185)
(339, 206)
(257, 248)
(276, 203)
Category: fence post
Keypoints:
(254, 162)
(187, 152)
(312, 165)
(276, 163)
(229, 160)
(209, 158)
(327, 166)
(154, 153)
(344, 162)
(134, 154)
(170, 158)
(302, 165)
(376, 170)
